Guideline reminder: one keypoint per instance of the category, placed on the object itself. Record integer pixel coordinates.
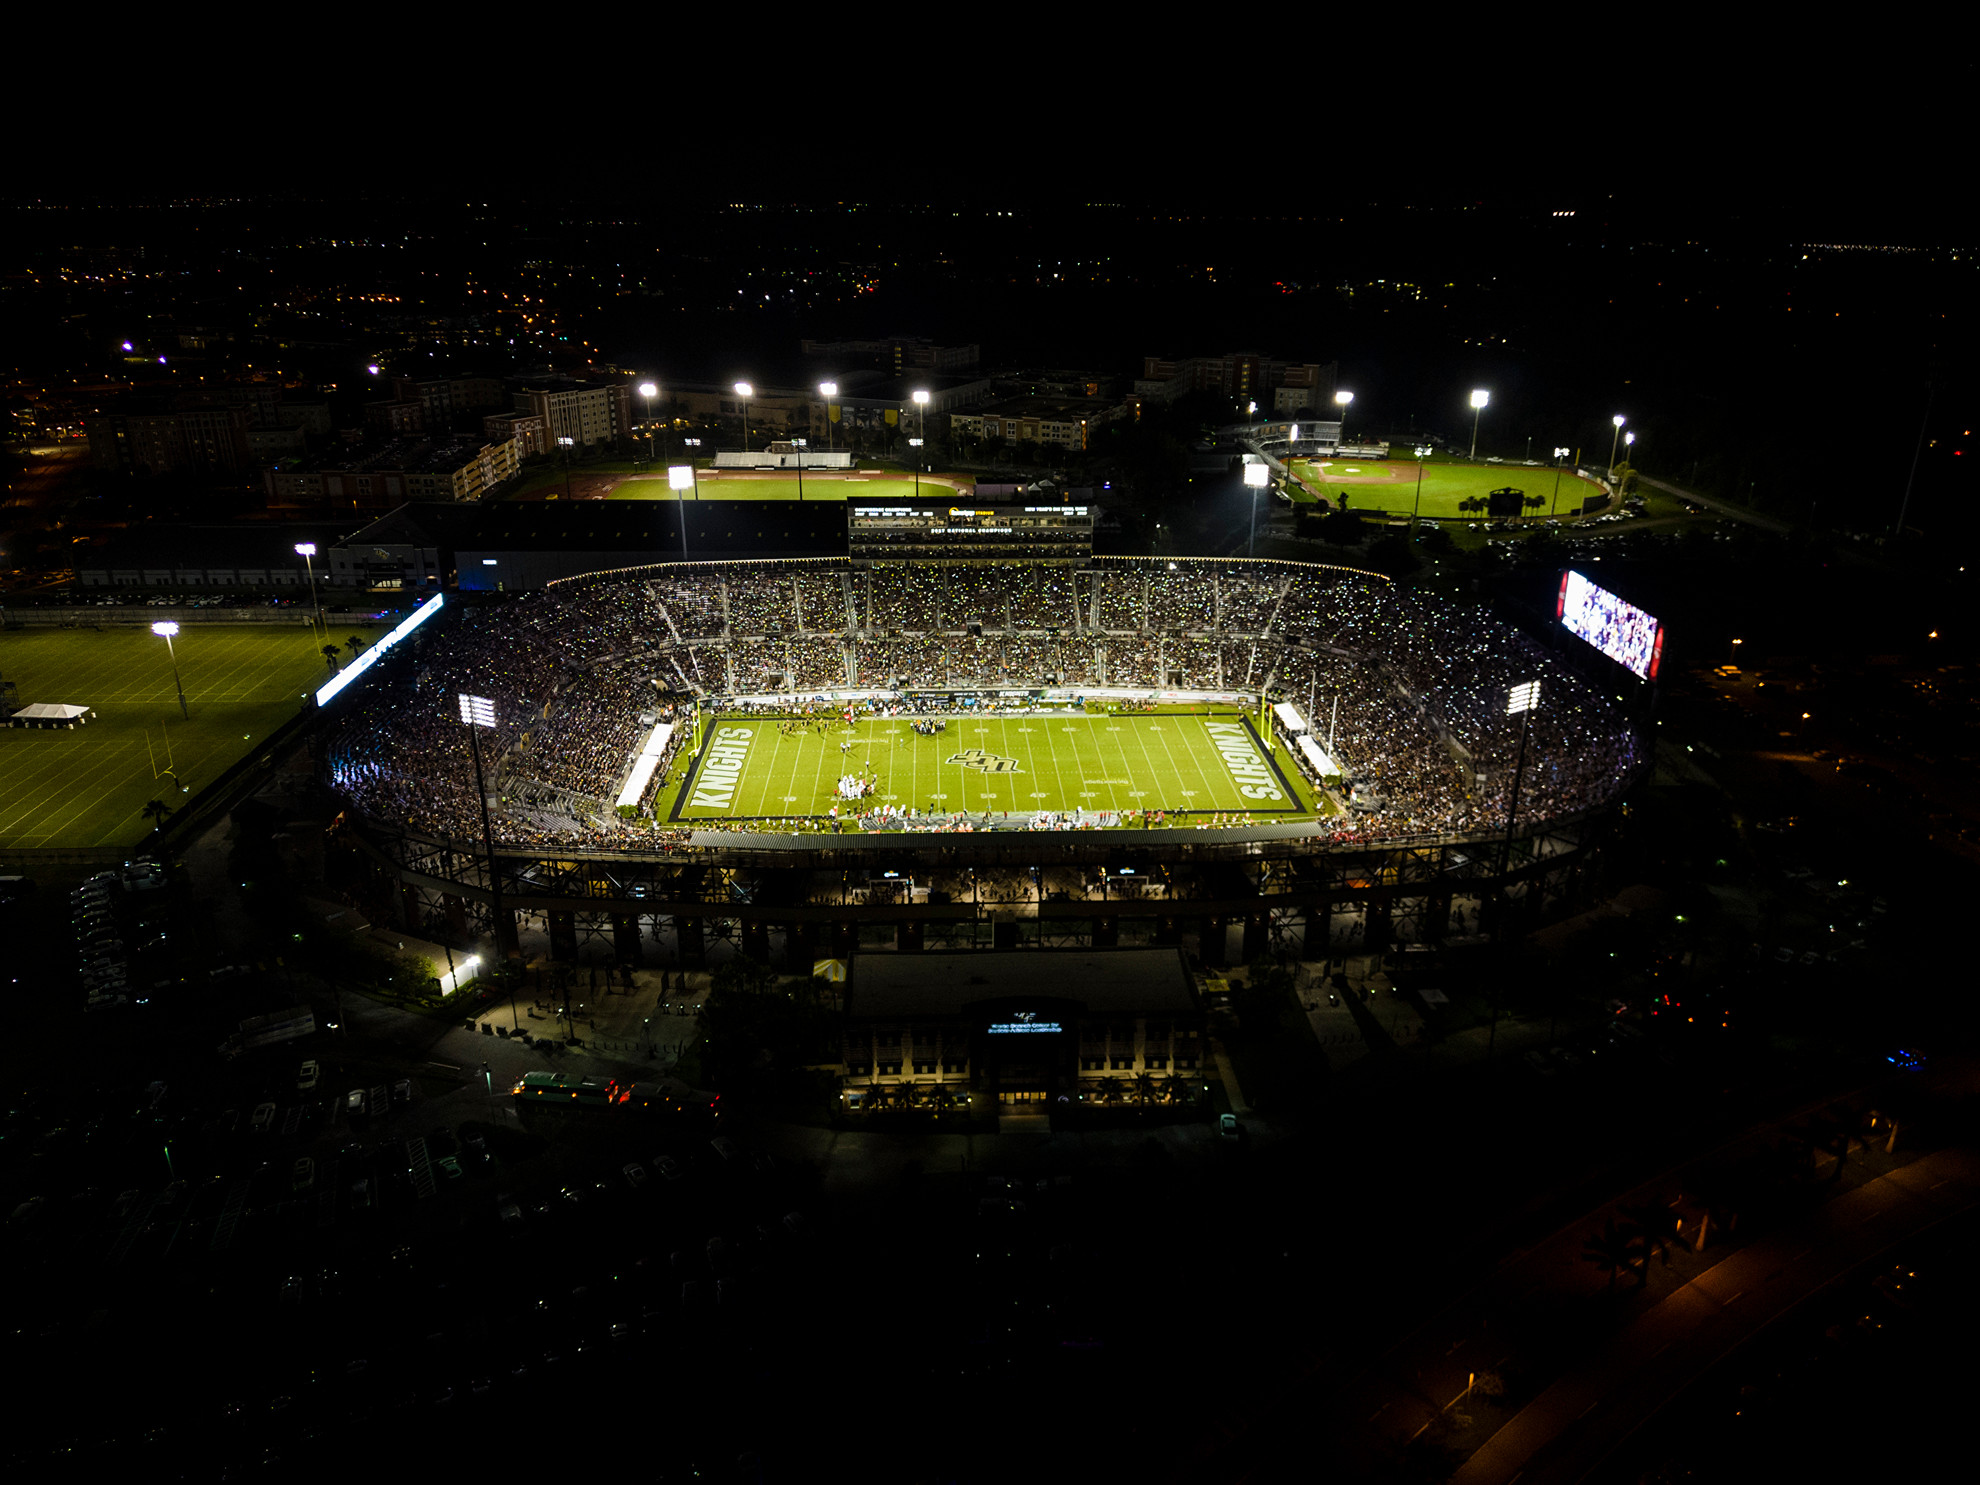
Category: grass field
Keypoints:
(1192, 764)
(1444, 485)
(816, 487)
(88, 787)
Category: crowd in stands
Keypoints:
(1407, 689)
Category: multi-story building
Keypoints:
(1042, 420)
(1028, 1034)
(406, 469)
(163, 435)
(525, 428)
(584, 412)
(1245, 375)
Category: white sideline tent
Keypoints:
(52, 714)
(1316, 755)
(1289, 717)
(643, 766)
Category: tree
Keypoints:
(355, 644)
(1506, 502)
(1653, 1228)
(1535, 502)
(1144, 1089)
(157, 811)
(330, 656)
(1611, 1250)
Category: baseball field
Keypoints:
(1190, 764)
(88, 787)
(1390, 485)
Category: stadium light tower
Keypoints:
(920, 399)
(1256, 477)
(566, 444)
(1478, 400)
(478, 712)
(745, 391)
(680, 479)
(649, 391)
(828, 390)
(1617, 423)
(1341, 400)
(165, 629)
(307, 551)
(915, 444)
(1559, 455)
(1521, 701)
(1628, 440)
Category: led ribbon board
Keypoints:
(372, 656)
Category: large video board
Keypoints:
(1622, 631)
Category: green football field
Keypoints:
(89, 786)
(1444, 485)
(816, 487)
(1191, 764)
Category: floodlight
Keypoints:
(1618, 420)
(1292, 434)
(828, 389)
(1343, 398)
(920, 399)
(1257, 476)
(680, 476)
(744, 389)
(165, 627)
(305, 549)
(1628, 439)
(1561, 453)
(647, 389)
(1524, 697)
(1480, 398)
(477, 711)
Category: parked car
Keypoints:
(307, 1076)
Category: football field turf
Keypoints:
(89, 786)
(1182, 763)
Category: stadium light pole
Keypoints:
(745, 391)
(920, 399)
(165, 629)
(307, 551)
(1617, 423)
(566, 443)
(915, 444)
(649, 391)
(1341, 400)
(1559, 455)
(478, 712)
(1521, 701)
(828, 390)
(679, 478)
(1478, 400)
(1256, 477)
(798, 444)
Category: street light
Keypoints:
(1256, 477)
(745, 391)
(1341, 400)
(649, 391)
(478, 712)
(307, 551)
(1478, 400)
(1617, 423)
(165, 629)
(828, 390)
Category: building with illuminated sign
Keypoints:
(1030, 1033)
(948, 528)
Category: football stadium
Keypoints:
(808, 755)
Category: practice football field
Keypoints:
(89, 786)
(1192, 764)
(820, 486)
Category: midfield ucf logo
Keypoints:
(988, 762)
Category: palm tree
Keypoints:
(355, 644)
(1174, 1089)
(1653, 1227)
(159, 811)
(330, 656)
(1612, 1250)
(1144, 1089)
